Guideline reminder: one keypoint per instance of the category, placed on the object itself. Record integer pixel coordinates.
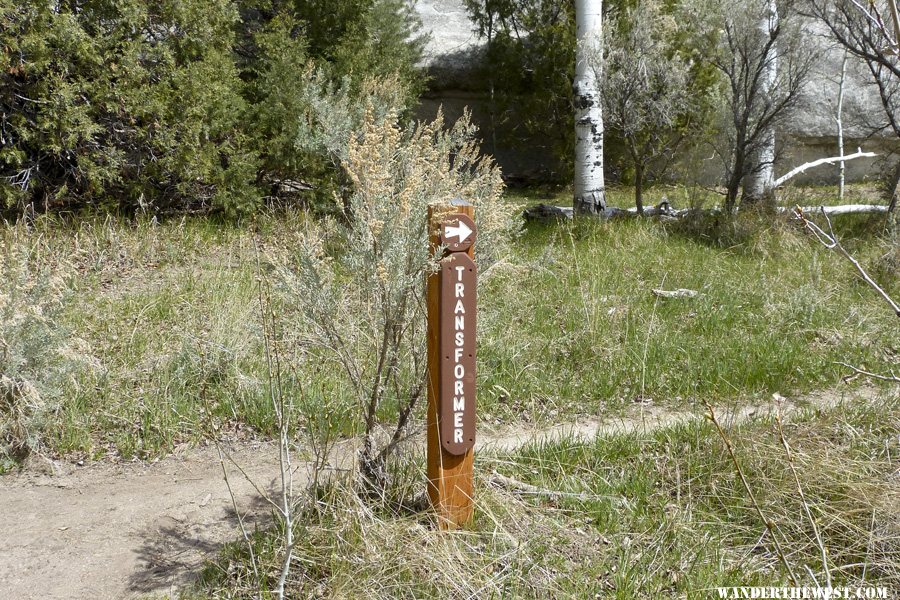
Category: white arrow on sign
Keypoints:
(462, 231)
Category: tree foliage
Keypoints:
(530, 69)
(647, 96)
(753, 108)
(531, 65)
(181, 103)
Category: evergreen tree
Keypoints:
(180, 104)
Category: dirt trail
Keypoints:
(122, 531)
(118, 531)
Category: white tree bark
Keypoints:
(840, 126)
(589, 183)
(760, 180)
(822, 161)
(837, 211)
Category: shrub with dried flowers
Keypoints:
(359, 285)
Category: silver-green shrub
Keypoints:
(33, 360)
(359, 284)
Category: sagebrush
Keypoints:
(358, 287)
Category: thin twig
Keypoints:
(237, 513)
(276, 393)
(809, 516)
(830, 241)
(231, 494)
(252, 483)
(770, 525)
(891, 377)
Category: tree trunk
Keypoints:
(733, 185)
(589, 185)
(639, 187)
(892, 188)
(840, 126)
(759, 183)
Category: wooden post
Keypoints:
(450, 484)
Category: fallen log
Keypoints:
(844, 209)
(663, 209)
(546, 212)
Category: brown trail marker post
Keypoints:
(451, 363)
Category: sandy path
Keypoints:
(122, 531)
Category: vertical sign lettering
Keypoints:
(458, 313)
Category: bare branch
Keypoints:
(283, 411)
(878, 21)
(809, 515)
(822, 161)
(858, 371)
(895, 18)
(830, 241)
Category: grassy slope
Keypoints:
(168, 318)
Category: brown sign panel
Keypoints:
(458, 232)
(458, 311)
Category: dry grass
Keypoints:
(659, 514)
(160, 314)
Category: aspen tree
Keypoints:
(589, 184)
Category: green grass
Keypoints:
(644, 515)
(165, 320)
(686, 197)
(678, 497)
(579, 330)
